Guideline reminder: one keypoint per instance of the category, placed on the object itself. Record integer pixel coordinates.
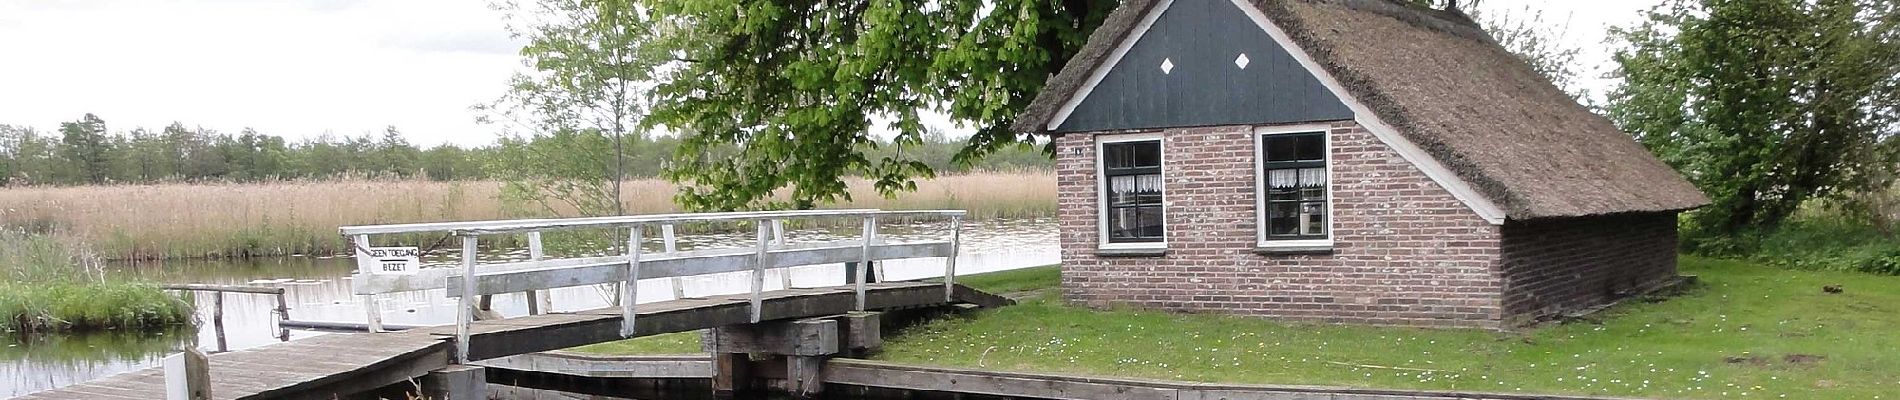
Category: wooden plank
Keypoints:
(222, 288)
(646, 367)
(511, 278)
(855, 372)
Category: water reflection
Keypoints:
(318, 289)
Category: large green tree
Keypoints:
(1764, 104)
(788, 93)
(779, 99)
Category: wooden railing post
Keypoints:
(464, 312)
(864, 258)
(758, 268)
(670, 245)
(375, 317)
(630, 290)
(950, 263)
(778, 240)
(535, 302)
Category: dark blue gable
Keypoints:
(1200, 40)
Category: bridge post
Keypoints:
(464, 311)
(864, 259)
(536, 303)
(456, 382)
(950, 263)
(630, 290)
(759, 264)
(375, 316)
(669, 245)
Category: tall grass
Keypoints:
(55, 286)
(185, 220)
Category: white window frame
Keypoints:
(1101, 191)
(1260, 190)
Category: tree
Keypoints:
(394, 155)
(1764, 104)
(590, 63)
(792, 88)
(87, 150)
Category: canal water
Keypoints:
(318, 289)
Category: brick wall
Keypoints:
(1556, 266)
(1405, 251)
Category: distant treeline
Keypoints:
(85, 152)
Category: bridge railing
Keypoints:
(475, 278)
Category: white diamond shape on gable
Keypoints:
(1167, 65)
(1241, 61)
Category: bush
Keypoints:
(1815, 241)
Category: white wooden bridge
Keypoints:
(336, 365)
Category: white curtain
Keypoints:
(1290, 178)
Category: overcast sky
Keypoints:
(300, 68)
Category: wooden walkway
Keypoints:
(335, 365)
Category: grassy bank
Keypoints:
(52, 286)
(1016, 282)
(1749, 330)
(268, 219)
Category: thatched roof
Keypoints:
(1446, 86)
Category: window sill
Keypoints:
(1287, 249)
(1132, 252)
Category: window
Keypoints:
(1293, 182)
(1131, 191)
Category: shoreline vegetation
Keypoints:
(237, 220)
(1748, 330)
(54, 286)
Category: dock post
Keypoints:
(456, 382)
(217, 319)
(375, 319)
(283, 315)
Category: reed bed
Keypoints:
(53, 285)
(213, 220)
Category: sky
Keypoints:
(303, 68)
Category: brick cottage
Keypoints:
(1351, 161)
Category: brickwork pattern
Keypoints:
(1405, 251)
(1558, 266)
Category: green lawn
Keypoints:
(1748, 331)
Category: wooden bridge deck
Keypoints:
(335, 365)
